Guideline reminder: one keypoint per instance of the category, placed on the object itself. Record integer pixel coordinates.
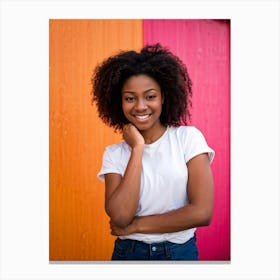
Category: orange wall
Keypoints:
(79, 228)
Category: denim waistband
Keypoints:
(165, 249)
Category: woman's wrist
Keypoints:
(136, 225)
(138, 147)
(137, 151)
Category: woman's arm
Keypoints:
(122, 193)
(197, 213)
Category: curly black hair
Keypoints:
(154, 61)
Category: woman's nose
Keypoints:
(140, 105)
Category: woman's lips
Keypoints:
(142, 118)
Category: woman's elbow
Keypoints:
(206, 221)
(118, 219)
(121, 222)
(205, 217)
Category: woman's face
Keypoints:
(142, 102)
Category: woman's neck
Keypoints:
(152, 135)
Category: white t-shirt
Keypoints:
(164, 175)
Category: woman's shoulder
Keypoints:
(117, 148)
(184, 130)
(186, 134)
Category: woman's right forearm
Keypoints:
(123, 203)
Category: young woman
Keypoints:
(158, 181)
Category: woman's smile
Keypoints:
(142, 118)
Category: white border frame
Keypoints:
(254, 138)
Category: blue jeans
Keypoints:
(128, 249)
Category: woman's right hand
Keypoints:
(127, 187)
(132, 136)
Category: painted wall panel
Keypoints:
(204, 46)
(79, 227)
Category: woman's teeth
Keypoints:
(142, 117)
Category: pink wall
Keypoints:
(204, 46)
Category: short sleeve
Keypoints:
(196, 144)
(108, 165)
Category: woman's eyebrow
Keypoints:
(149, 90)
(133, 92)
(128, 91)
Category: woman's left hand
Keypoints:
(115, 230)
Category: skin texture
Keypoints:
(142, 104)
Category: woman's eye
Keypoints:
(129, 99)
(150, 97)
